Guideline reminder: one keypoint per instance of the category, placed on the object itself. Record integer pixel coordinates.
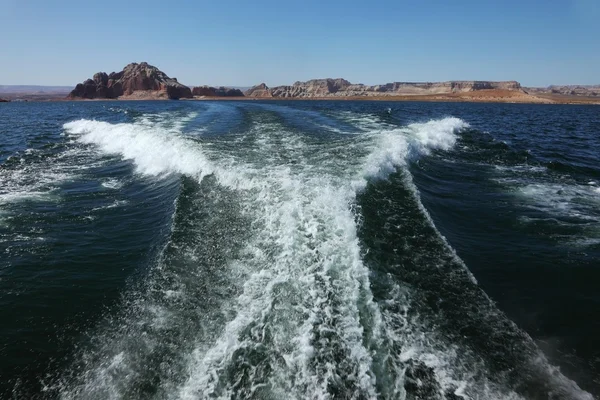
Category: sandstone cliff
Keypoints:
(134, 78)
(342, 88)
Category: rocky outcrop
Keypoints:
(312, 88)
(260, 91)
(134, 78)
(209, 91)
(204, 91)
(568, 90)
(342, 88)
(4, 101)
(228, 92)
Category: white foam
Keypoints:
(112, 184)
(455, 369)
(154, 152)
(365, 122)
(32, 183)
(304, 232)
(17, 196)
(298, 211)
(114, 204)
(563, 200)
(390, 148)
(436, 134)
(294, 247)
(36, 180)
(519, 168)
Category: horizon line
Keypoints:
(359, 83)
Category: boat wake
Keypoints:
(299, 267)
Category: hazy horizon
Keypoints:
(536, 43)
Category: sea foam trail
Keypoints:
(301, 296)
(297, 201)
(289, 210)
(304, 322)
(296, 211)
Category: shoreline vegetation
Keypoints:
(146, 82)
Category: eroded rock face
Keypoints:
(313, 88)
(222, 91)
(260, 91)
(342, 88)
(134, 77)
(569, 90)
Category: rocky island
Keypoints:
(143, 82)
(135, 81)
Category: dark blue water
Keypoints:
(299, 250)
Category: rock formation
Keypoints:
(228, 92)
(313, 88)
(204, 91)
(342, 88)
(568, 90)
(222, 91)
(134, 78)
(261, 91)
(3, 101)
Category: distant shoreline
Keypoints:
(468, 97)
(546, 99)
(142, 82)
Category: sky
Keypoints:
(243, 43)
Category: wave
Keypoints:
(391, 148)
(154, 152)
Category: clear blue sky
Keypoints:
(225, 42)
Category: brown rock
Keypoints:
(342, 88)
(134, 77)
(204, 91)
(261, 90)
